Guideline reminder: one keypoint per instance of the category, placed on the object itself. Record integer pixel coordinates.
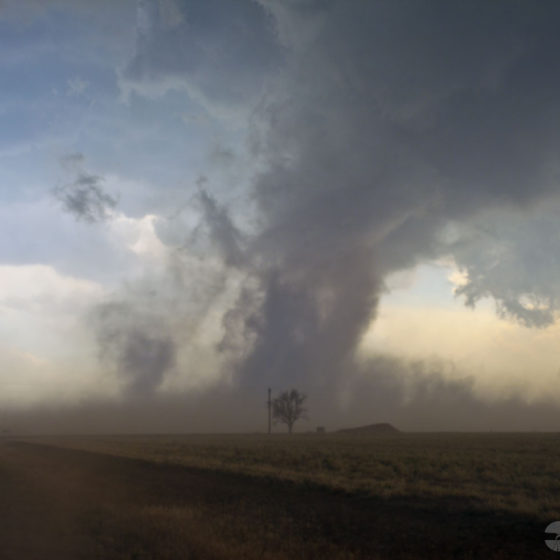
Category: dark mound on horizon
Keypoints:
(382, 428)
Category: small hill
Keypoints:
(383, 428)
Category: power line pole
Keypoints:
(269, 403)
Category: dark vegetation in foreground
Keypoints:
(228, 497)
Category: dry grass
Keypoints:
(513, 472)
(337, 497)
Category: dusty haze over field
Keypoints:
(204, 199)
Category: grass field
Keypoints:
(304, 496)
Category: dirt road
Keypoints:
(67, 504)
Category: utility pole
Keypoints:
(269, 403)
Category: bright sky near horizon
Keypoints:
(359, 199)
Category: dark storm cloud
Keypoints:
(220, 50)
(85, 198)
(394, 118)
(379, 124)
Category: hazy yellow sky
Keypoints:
(420, 318)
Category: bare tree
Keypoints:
(288, 408)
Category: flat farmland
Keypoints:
(300, 496)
